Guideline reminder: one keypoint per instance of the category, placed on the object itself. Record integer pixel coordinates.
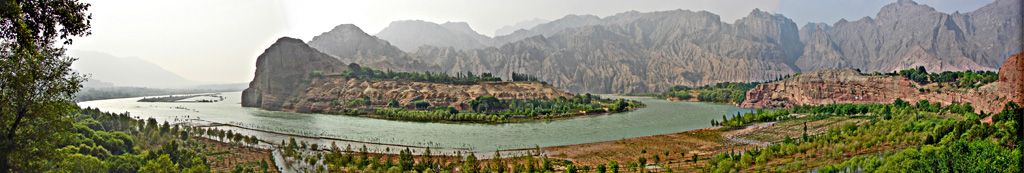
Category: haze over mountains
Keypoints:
(648, 52)
(508, 29)
(109, 70)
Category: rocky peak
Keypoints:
(460, 26)
(411, 34)
(903, 8)
(350, 30)
(283, 69)
(350, 44)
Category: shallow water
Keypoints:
(659, 117)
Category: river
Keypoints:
(659, 117)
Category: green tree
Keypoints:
(81, 163)
(642, 161)
(471, 165)
(405, 159)
(162, 164)
(613, 166)
(37, 85)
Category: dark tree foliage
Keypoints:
(37, 85)
(519, 77)
(725, 92)
(493, 110)
(965, 79)
(367, 73)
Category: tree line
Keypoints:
(964, 79)
(724, 92)
(489, 109)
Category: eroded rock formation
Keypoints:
(1011, 79)
(850, 86)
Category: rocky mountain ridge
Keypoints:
(651, 52)
(648, 52)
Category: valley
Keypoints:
(910, 87)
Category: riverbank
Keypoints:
(214, 97)
(678, 148)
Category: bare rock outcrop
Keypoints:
(283, 70)
(1011, 78)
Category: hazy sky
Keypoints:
(219, 40)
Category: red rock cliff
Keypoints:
(1011, 78)
(849, 86)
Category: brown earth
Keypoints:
(223, 157)
(702, 142)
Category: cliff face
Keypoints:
(287, 80)
(640, 52)
(906, 35)
(283, 71)
(1011, 79)
(849, 86)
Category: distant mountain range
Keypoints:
(509, 29)
(125, 71)
(648, 52)
(109, 71)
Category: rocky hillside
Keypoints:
(649, 52)
(850, 86)
(906, 35)
(350, 44)
(291, 76)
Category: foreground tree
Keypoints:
(37, 85)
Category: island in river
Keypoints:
(293, 77)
